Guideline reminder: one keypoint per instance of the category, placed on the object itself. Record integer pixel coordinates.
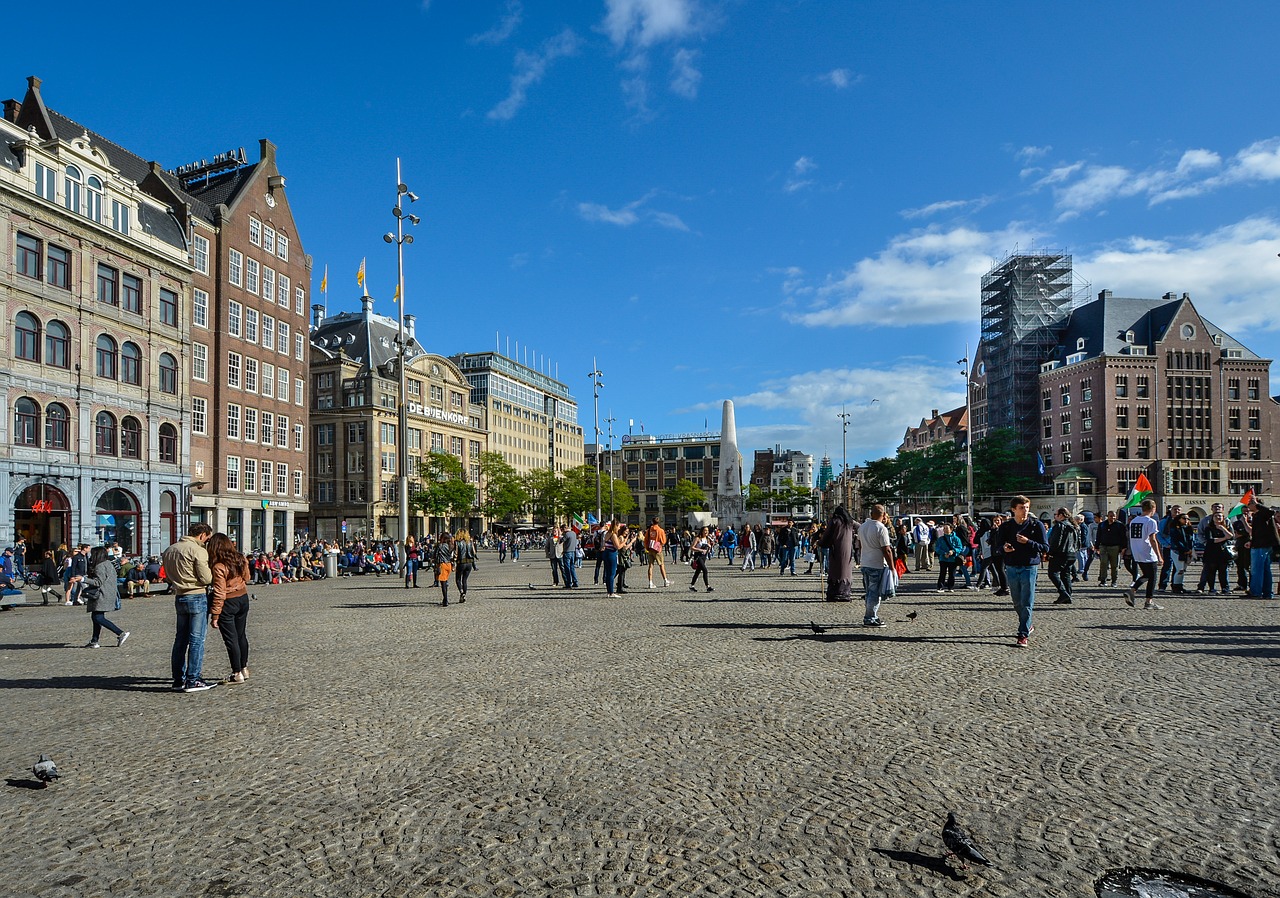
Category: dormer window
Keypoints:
(1128, 336)
(1080, 344)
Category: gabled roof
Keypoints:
(366, 337)
(1103, 323)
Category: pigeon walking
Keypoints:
(815, 628)
(911, 616)
(45, 770)
(961, 844)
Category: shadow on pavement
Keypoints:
(14, 646)
(924, 861)
(1181, 639)
(88, 681)
(24, 784)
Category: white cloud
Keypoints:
(839, 78)
(506, 26)
(799, 169)
(1027, 153)
(530, 68)
(630, 214)
(685, 76)
(927, 276)
(945, 206)
(1231, 273)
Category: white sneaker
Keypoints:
(666, 582)
(651, 584)
(121, 638)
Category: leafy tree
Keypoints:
(504, 492)
(546, 493)
(684, 497)
(444, 489)
(579, 486)
(1002, 465)
(759, 497)
(624, 502)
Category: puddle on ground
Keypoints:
(1130, 883)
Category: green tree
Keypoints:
(504, 492)
(546, 493)
(883, 481)
(759, 498)
(1002, 465)
(623, 501)
(444, 489)
(684, 497)
(580, 490)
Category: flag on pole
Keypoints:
(360, 274)
(578, 522)
(1244, 504)
(1141, 490)
(395, 297)
(324, 281)
(591, 519)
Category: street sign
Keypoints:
(344, 526)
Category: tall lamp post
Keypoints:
(400, 238)
(596, 384)
(609, 420)
(968, 431)
(193, 486)
(844, 457)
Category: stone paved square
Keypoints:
(545, 742)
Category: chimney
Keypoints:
(366, 305)
(1104, 295)
(409, 326)
(11, 110)
(1170, 296)
(933, 413)
(317, 315)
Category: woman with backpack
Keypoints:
(465, 552)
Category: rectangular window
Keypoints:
(268, 332)
(1255, 450)
(324, 434)
(282, 431)
(235, 265)
(1122, 447)
(199, 415)
(199, 362)
(199, 308)
(389, 462)
(1144, 447)
(1233, 419)
(1122, 416)
(233, 318)
(1233, 388)
(250, 374)
(250, 425)
(300, 301)
(268, 427)
(297, 481)
(282, 385)
(251, 325)
(355, 432)
(58, 267)
(1122, 385)
(355, 462)
(1143, 390)
(108, 285)
(233, 421)
(1254, 389)
(1086, 450)
(269, 240)
(250, 475)
(1144, 417)
(1255, 420)
(282, 247)
(251, 275)
(255, 232)
(299, 345)
(297, 391)
(131, 294)
(233, 473)
(200, 254)
(268, 379)
(168, 307)
(29, 256)
(267, 470)
(282, 291)
(269, 284)
(233, 369)
(282, 338)
(282, 480)
(46, 183)
(297, 437)
(120, 217)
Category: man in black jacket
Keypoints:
(1111, 538)
(1064, 543)
(1262, 539)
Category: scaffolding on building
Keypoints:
(1026, 299)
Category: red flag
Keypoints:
(1247, 497)
(1143, 485)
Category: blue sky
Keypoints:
(788, 203)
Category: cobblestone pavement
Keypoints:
(545, 742)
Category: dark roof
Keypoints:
(1104, 322)
(365, 337)
(221, 188)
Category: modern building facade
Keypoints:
(355, 423)
(1149, 386)
(95, 283)
(533, 419)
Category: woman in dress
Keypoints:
(837, 540)
(229, 608)
(100, 594)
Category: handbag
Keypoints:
(655, 545)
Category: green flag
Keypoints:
(1141, 490)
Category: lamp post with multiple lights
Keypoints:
(400, 238)
(596, 384)
(968, 430)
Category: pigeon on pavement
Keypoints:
(45, 770)
(815, 628)
(961, 844)
(911, 616)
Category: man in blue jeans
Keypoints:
(877, 558)
(1262, 539)
(1022, 540)
(186, 567)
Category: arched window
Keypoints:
(168, 443)
(26, 336)
(130, 438)
(168, 374)
(93, 199)
(26, 422)
(131, 364)
(104, 433)
(57, 345)
(71, 188)
(55, 426)
(106, 358)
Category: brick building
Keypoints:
(939, 427)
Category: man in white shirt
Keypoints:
(1144, 548)
(920, 536)
(877, 558)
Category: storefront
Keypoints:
(42, 515)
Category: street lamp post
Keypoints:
(191, 487)
(844, 457)
(596, 384)
(968, 431)
(609, 420)
(400, 238)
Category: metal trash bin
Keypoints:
(331, 563)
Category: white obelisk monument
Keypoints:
(730, 505)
